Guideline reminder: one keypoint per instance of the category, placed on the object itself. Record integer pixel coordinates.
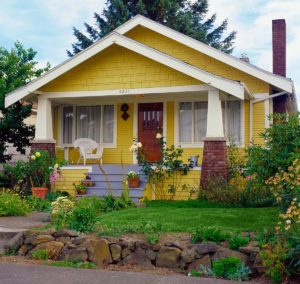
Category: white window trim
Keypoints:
(177, 143)
(60, 126)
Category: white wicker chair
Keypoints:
(87, 149)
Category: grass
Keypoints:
(173, 219)
(66, 263)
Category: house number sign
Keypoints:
(124, 91)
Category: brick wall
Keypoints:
(50, 147)
(214, 162)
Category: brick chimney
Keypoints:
(279, 59)
(279, 47)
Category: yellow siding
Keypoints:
(246, 122)
(191, 179)
(69, 177)
(258, 121)
(118, 68)
(196, 58)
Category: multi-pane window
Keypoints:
(232, 120)
(193, 121)
(94, 122)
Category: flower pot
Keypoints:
(40, 192)
(81, 192)
(133, 182)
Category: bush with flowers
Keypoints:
(40, 170)
(166, 174)
(61, 211)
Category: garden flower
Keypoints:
(33, 157)
(288, 221)
(37, 154)
(158, 136)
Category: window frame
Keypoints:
(201, 144)
(60, 125)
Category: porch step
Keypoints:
(115, 175)
(133, 192)
(113, 184)
(111, 177)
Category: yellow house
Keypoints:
(145, 78)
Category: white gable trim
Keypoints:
(275, 80)
(223, 84)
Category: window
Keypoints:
(232, 120)
(193, 121)
(94, 122)
(67, 124)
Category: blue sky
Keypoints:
(46, 26)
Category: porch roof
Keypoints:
(231, 87)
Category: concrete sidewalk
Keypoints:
(11, 273)
(35, 219)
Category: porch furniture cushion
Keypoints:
(88, 149)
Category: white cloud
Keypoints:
(253, 22)
(47, 27)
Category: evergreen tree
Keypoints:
(17, 67)
(184, 16)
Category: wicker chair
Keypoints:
(89, 150)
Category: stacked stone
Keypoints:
(72, 246)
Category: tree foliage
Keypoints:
(187, 17)
(17, 67)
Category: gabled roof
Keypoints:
(232, 87)
(282, 83)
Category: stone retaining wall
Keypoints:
(69, 245)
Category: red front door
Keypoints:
(150, 122)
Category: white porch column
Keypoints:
(214, 115)
(44, 128)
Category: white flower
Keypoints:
(133, 148)
(158, 136)
(288, 221)
(139, 145)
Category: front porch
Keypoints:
(189, 116)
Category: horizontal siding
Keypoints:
(118, 68)
(191, 179)
(258, 122)
(196, 58)
(69, 177)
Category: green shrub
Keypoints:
(12, 204)
(226, 267)
(217, 190)
(38, 204)
(110, 203)
(83, 217)
(236, 242)
(61, 211)
(73, 264)
(256, 195)
(53, 195)
(209, 234)
(281, 148)
(40, 254)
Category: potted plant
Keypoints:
(39, 169)
(133, 179)
(88, 181)
(80, 188)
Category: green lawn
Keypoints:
(187, 219)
